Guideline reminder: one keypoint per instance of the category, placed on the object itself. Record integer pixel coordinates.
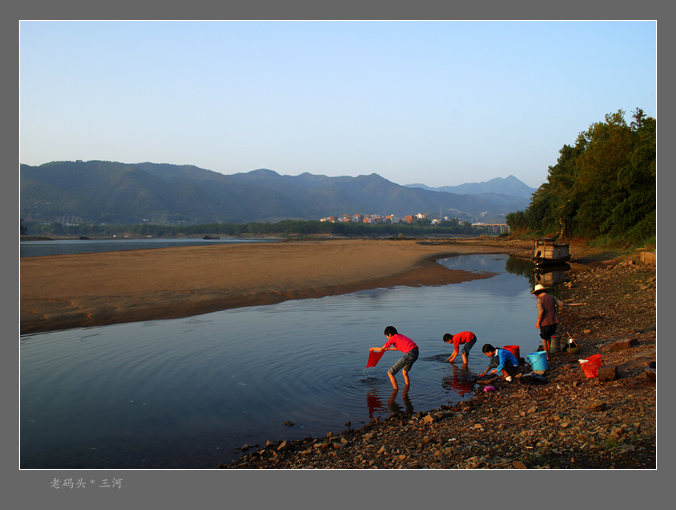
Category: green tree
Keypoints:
(604, 185)
(517, 222)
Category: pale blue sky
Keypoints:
(438, 102)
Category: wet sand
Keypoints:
(85, 290)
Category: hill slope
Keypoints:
(111, 192)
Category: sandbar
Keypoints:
(95, 289)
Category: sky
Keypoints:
(440, 103)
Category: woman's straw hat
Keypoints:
(538, 288)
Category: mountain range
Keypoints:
(508, 186)
(112, 192)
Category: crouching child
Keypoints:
(502, 362)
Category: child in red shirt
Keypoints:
(464, 337)
(398, 342)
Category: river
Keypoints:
(189, 393)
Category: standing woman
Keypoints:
(398, 342)
(548, 318)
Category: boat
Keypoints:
(211, 237)
(546, 252)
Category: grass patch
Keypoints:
(610, 444)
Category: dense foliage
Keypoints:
(287, 227)
(602, 187)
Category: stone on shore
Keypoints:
(607, 373)
(597, 406)
(621, 345)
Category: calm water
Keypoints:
(188, 393)
(73, 246)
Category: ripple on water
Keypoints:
(237, 376)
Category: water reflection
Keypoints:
(518, 266)
(377, 408)
(461, 381)
(373, 403)
(395, 407)
(75, 246)
(550, 276)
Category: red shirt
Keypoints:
(462, 338)
(401, 343)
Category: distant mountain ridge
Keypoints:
(112, 192)
(510, 186)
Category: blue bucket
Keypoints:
(538, 360)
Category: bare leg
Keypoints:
(464, 358)
(545, 345)
(394, 381)
(407, 381)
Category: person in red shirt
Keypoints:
(399, 342)
(467, 338)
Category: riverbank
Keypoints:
(86, 290)
(568, 422)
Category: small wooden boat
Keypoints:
(211, 237)
(546, 251)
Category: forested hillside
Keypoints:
(104, 192)
(604, 186)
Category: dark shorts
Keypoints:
(406, 362)
(495, 363)
(468, 346)
(546, 332)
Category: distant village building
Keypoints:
(493, 228)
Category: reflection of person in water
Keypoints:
(460, 382)
(373, 402)
(396, 408)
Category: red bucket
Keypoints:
(590, 365)
(514, 349)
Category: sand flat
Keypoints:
(84, 290)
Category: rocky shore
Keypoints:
(566, 421)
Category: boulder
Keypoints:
(429, 419)
(597, 406)
(607, 373)
(621, 345)
(648, 258)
